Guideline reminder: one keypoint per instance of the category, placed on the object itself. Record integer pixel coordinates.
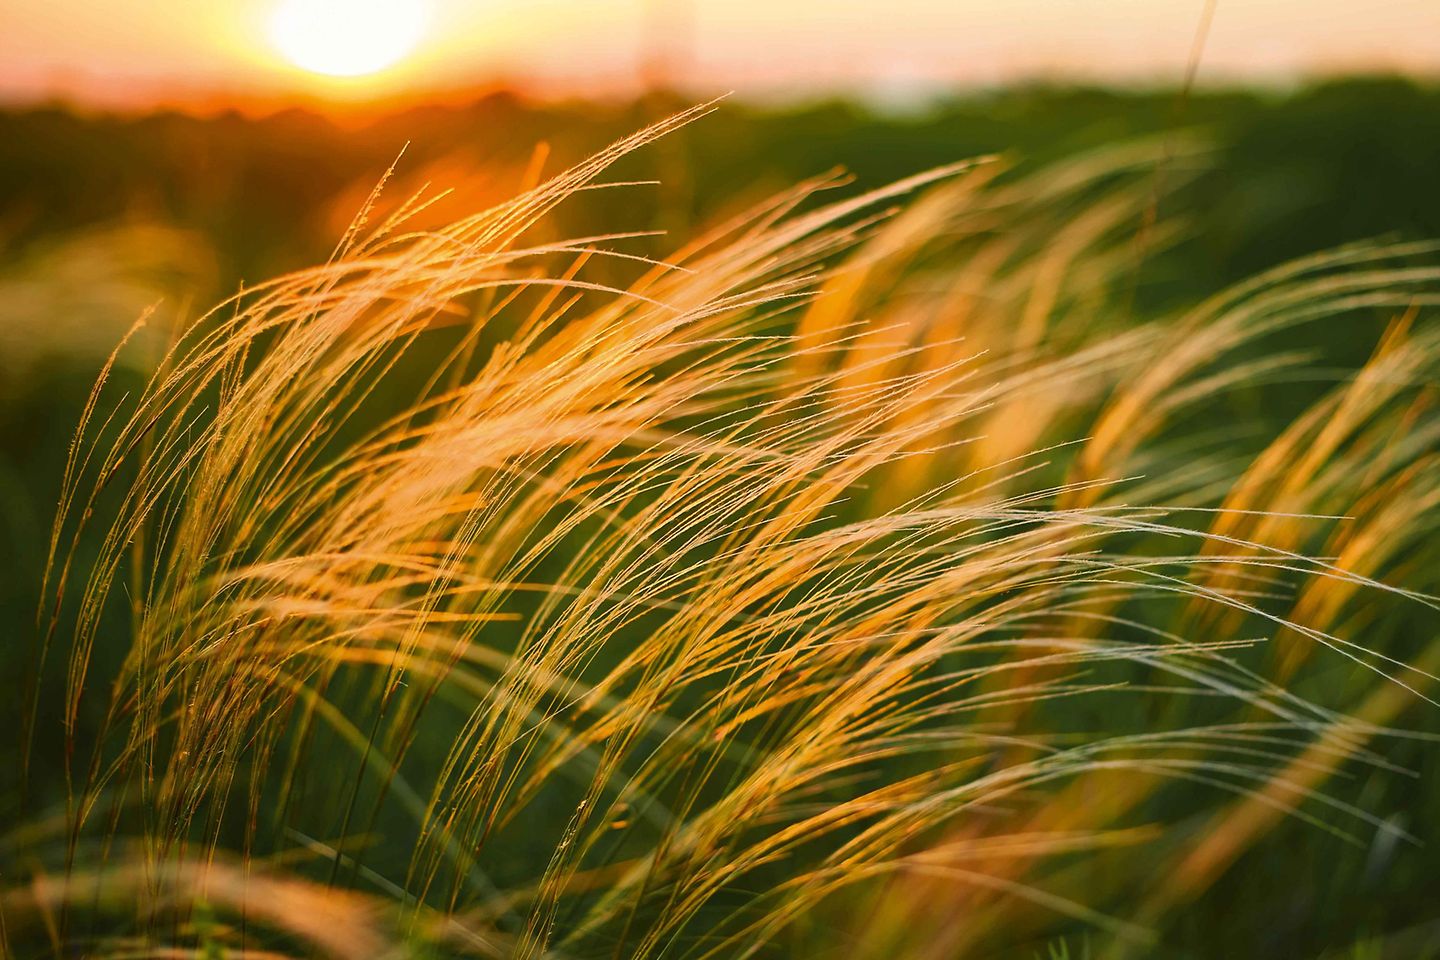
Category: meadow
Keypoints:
(999, 530)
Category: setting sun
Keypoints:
(347, 38)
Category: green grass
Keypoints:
(868, 577)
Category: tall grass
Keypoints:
(866, 576)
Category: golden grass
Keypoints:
(848, 580)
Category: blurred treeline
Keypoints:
(1290, 173)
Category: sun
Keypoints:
(347, 38)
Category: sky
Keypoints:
(130, 52)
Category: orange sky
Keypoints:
(134, 51)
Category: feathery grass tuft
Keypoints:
(865, 576)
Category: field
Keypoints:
(1003, 529)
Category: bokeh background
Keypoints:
(166, 152)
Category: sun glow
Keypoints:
(347, 38)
